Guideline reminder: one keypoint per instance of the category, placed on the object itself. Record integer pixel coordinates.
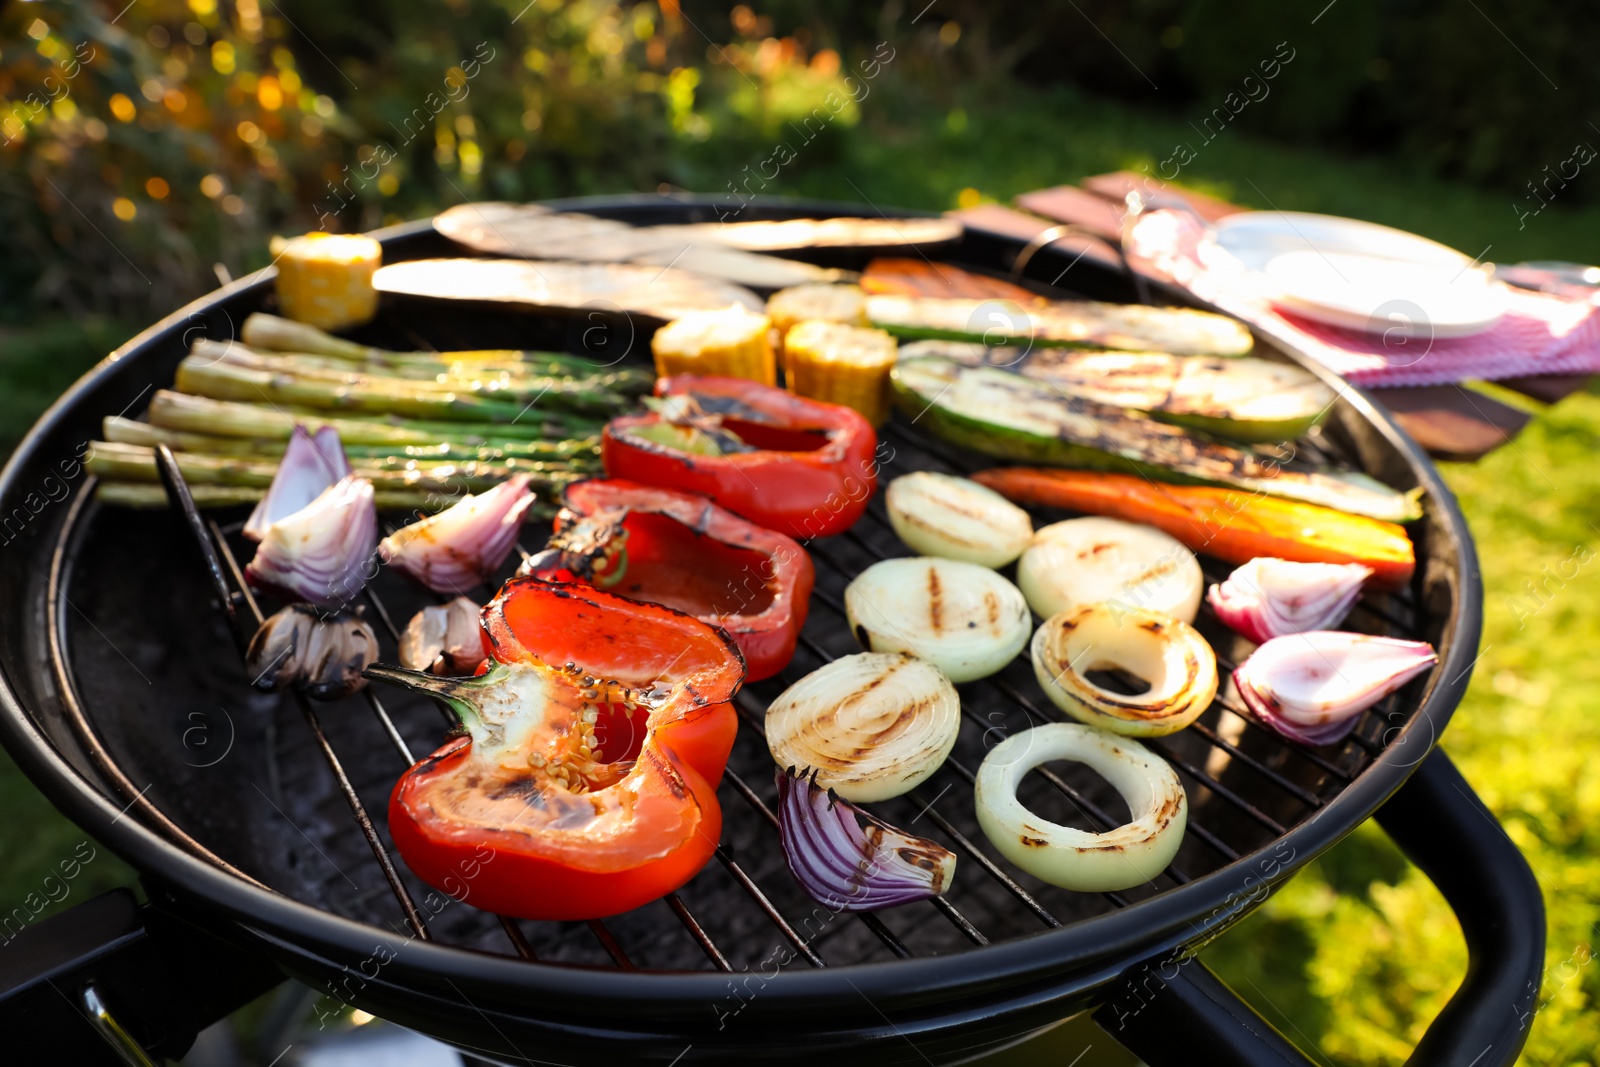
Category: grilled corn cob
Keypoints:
(841, 364)
(733, 343)
(829, 303)
(325, 279)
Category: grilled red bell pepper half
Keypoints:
(680, 549)
(592, 751)
(798, 466)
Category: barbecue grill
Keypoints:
(256, 821)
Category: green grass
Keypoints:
(1357, 954)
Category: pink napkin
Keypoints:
(1540, 334)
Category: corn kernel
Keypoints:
(733, 342)
(828, 303)
(841, 364)
(326, 279)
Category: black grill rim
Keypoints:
(1044, 967)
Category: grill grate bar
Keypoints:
(950, 911)
(518, 940)
(766, 905)
(212, 550)
(609, 942)
(1305, 796)
(871, 921)
(703, 939)
(989, 865)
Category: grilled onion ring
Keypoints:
(1165, 652)
(1120, 858)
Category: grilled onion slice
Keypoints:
(872, 725)
(964, 618)
(1084, 561)
(942, 515)
(1120, 858)
(1169, 655)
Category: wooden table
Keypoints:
(1450, 421)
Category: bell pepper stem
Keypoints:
(451, 692)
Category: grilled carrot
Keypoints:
(1226, 523)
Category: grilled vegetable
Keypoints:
(1237, 397)
(664, 293)
(323, 552)
(1169, 656)
(1004, 414)
(801, 467)
(592, 786)
(1232, 526)
(309, 466)
(680, 549)
(1312, 687)
(1134, 327)
(788, 308)
(942, 515)
(898, 276)
(466, 543)
(598, 393)
(963, 618)
(323, 655)
(443, 639)
(1269, 598)
(1121, 858)
(269, 333)
(845, 867)
(842, 365)
(201, 415)
(325, 279)
(732, 343)
(1089, 560)
(871, 726)
(153, 495)
(239, 377)
(389, 474)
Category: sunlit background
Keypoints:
(149, 151)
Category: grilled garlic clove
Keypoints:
(1312, 687)
(1167, 654)
(1269, 598)
(443, 639)
(326, 656)
(276, 651)
(464, 544)
(341, 648)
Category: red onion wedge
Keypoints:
(310, 464)
(321, 553)
(849, 867)
(466, 543)
(1269, 598)
(1312, 687)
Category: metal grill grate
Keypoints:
(1246, 787)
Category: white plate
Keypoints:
(1360, 275)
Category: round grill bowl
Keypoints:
(104, 598)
